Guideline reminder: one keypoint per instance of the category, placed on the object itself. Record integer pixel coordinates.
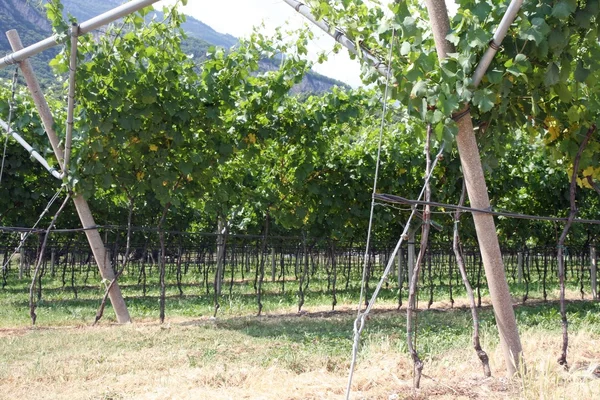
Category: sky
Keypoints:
(238, 17)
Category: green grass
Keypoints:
(75, 298)
(219, 357)
(281, 354)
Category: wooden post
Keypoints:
(52, 261)
(485, 226)
(81, 205)
(400, 268)
(411, 255)
(520, 267)
(594, 271)
(22, 257)
(222, 231)
(273, 269)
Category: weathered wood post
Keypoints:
(22, 256)
(594, 271)
(520, 267)
(411, 255)
(400, 268)
(52, 261)
(273, 267)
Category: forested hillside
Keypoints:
(33, 26)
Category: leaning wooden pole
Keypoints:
(83, 209)
(478, 195)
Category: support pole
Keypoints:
(478, 195)
(340, 37)
(32, 152)
(52, 262)
(400, 269)
(83, 209)
(520, 267)
(71, 97)
(273, 264)
(411, 255)
(494, 45)
(594, 271)
(22, 256)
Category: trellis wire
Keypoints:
(369, 229)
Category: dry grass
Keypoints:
(260, 358)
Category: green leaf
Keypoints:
(478, 39)
(563, 92)
(453, 38)
(564, 8)
(592, 7)
(482, 10)
(419, 89)
(552, 75)
(581, 73)
(557, 40)
(409, 27)
(405, 48)
(447, 104)
(484, 99)
(520, 58)
(97, 146)
(537, 32)
(494, 76)
(148, 98)
(573, 114)
(583, 19)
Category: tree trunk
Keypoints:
(83, 210)
(478, 196)
(32, 303)
(261, 265)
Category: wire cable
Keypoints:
(369, 230)
(390, 198)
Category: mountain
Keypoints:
(29, 19)
(84, 10)
(32, 26)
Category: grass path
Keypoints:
(290, 356)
